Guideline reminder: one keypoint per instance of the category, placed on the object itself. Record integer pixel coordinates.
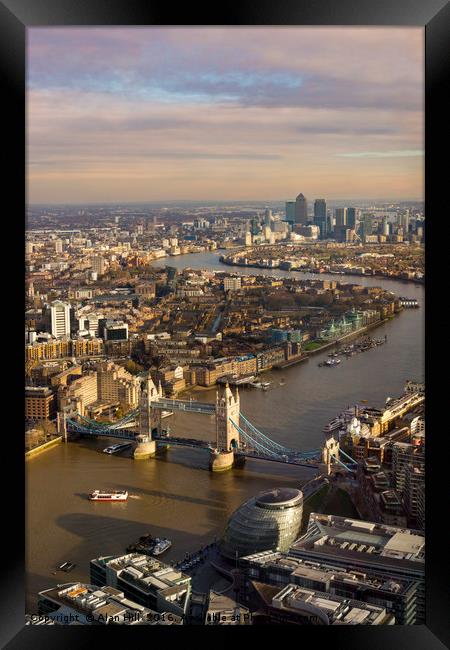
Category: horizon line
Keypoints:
(59, 203)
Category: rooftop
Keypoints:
(349, 537)
(323, 571)
(37, 390)
(224, 610)
(103, 605)
(330, 609)
(279, 497)
(147, 572)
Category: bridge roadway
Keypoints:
(200, 444)
(185, 442)
(121, 434)
(191, 406)
(313, 464)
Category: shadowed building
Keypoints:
(320, 216)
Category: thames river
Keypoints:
(174, 495)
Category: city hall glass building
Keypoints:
(269, 521)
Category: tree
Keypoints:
(324, 300)
(303, 299)
(133, 367)
(32, 438)
(46, 428)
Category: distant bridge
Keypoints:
(254, 443)
(235, 432)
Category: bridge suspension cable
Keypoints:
(279, 449)
(254, 442)
(256, 431)
(336, 459)
(347, 456)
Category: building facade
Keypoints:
(269, 521)
(301, 209)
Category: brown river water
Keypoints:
(174, 495)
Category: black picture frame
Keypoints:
(433, 15)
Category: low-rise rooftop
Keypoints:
(147, 572)
(87, 604)
(328, 609)
(344, 536)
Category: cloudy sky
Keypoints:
(142, 114)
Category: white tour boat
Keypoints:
(104, 495)
(113, 449)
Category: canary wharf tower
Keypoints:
(301, 209)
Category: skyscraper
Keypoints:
(255, 228)
(290, 210)
(366, 225)
(341, 216)
(330, 224)
(268, 217)
(351, 218)
(404, 221)
(320, 216)
(301, 209)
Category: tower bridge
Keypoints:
(236, 437)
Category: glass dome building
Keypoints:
(269, 521)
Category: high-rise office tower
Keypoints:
(341, 216)
(320, 216)
(301, 209)
(58, 318)
(268, 217)
(58, 246)
(290, 210)
(351, 218)
(405, 222)
(255, 226)
(385, 227)
(366, 225)
(330, 224)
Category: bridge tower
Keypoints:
(149, 419)
(61, 424)
(330, 448)
(227, 436)
(227, 407)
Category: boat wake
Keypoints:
(134, 496)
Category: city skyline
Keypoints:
(140, 114)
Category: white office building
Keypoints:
(59, 318)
